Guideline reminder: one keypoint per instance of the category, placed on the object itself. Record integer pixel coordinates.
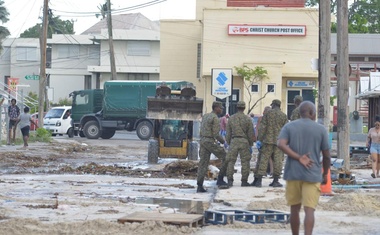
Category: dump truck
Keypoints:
(120, 105)
(173, 115)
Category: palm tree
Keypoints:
(4, 32)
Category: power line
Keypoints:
(120, 10)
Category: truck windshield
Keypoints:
(54, 113)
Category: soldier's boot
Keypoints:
(230, 183)
(221, 183)
(257, 182)
(244, 183)
(200, 188)
(275, 183)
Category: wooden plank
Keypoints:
(191, 220)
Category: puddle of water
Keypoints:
(183, 206)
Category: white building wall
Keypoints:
(11, 66)
(71, 55)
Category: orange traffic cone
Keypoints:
(326, 189)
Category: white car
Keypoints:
(58, 120)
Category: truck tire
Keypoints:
(192, 153)
(70, 132)
(153, 151)
(91, 130)
(107, 134)
(144, 130)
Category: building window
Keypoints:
(6, 54)
(373, 59)
(68, 51)
(27, 53)
(87, 81)
(138, 48)
(356, 58)
(271, 88)
(255, 88)
(94, 52)
(138, 76)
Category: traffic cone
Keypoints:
(326, 189)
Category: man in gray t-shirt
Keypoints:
(303, 140)
(25, 120)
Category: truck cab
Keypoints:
(84, 102)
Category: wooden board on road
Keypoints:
(191, 220)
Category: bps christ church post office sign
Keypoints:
(266, 30)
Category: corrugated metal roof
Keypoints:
(359, 44)
(136, 21)
(69, 39)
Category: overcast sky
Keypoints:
(26, 13)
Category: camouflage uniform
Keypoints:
(295, 114)
(269, 129)
(240, 137)
(209, 135)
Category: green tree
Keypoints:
(363, 15)
(4, 14)
(251, 76)
(56, 26)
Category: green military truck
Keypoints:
(120, 105)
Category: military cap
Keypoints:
(298, 98)
(240, 104)
(276, 102)
(217, 104)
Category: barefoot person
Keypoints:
(303, 140)
(373, 143)
(25, 120)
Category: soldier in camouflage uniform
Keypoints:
(269, 129)
(296, 112)
(240, 138)
(208, 144)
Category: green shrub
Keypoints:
(63, 102)
(40, 135)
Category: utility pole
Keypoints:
(110, 41)
(343, 79)
(324, 60)
(42, 81)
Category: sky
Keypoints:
(27, 13)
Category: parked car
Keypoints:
(35, 119)
(58, 121)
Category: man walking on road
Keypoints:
(270, 127)
(209, 134)
(14, 117)
(303, 141)
(240, 138)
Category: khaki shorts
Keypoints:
(301, 192)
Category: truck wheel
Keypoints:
(193, 151)
(153, 151)
(81, 134)
(70, 132)
(107, 134)
(91, 130)
(144, 130)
